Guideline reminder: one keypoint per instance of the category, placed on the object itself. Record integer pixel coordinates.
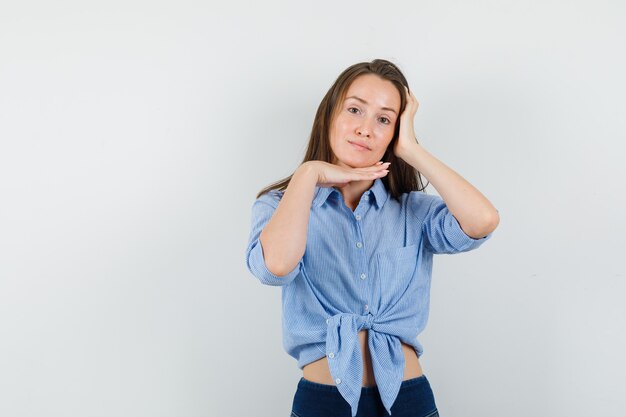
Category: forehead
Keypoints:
(375, 91)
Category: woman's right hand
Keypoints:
(331, 175)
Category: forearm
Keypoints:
(284, 237)
(476, 215)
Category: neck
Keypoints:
(353, 191)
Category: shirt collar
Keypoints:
(377, 189)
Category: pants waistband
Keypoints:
(305, 383)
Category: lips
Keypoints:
(359, 145)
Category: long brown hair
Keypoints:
(402, 177)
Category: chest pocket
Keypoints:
(396, 268)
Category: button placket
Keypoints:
(362, 275)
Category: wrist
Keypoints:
(308, 170)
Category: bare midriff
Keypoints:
(319, 372)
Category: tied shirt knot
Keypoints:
(345, 358)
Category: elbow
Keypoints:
(279, 270)
(279, 265)
(490, 223)
(493, 220)
(278, 275)
(267, 272)
(283, 267)
(485, 227)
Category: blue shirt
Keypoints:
(367, 269)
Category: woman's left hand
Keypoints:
(406, 137)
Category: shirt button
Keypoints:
(331, 355)
(359, 244)
(338, 381)
(358, 217)
(363, 276)
(366, 306)
(327, 321)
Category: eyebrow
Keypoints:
(365, 102)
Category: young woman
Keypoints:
(350, 240)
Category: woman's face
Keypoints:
(366, 117)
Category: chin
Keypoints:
(358, 164)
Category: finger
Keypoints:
(379, 171)
(374, 168)
(368, 174)
(410, 94)
(377, 166)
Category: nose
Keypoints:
(364, 129)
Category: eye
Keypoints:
(384, 120)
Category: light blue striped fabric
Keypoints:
(367, 269)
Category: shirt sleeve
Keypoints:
(262, 211)
(442, 232)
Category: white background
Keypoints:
(134, 136)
